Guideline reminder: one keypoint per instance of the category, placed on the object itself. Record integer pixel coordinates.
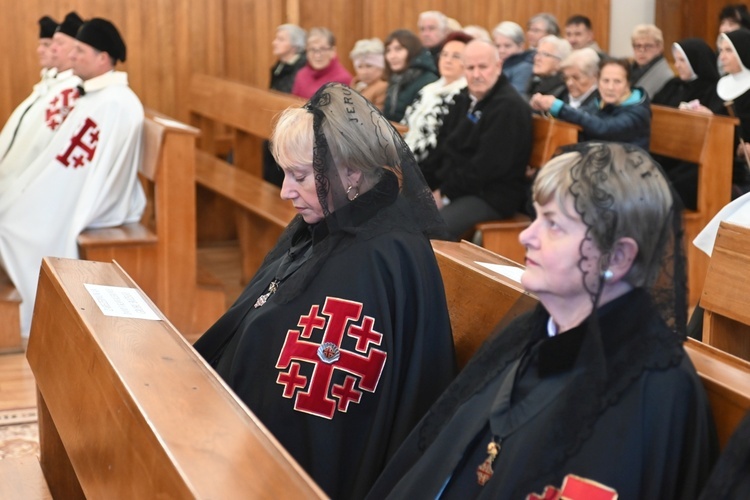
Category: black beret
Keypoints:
(71, 24)
(102, 35)
(47, 27)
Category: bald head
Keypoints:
(482, 67)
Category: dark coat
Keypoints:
(403, 87)
(377, 301)
(626, 122)
(637, 419)
(282, 74)
(485, 152)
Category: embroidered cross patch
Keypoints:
(363, 366)
(82, 146)
(59, 108)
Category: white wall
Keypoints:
(624, 16)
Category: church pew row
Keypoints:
(471, 287)
(705, 140)
(726, 323)
(127, 409)
(159, 252)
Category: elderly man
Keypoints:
(477, 170)
(85, 177)
(33, 124)
(433, 28)
(649, 69)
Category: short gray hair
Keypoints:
(510, 30)
(562, 46)
(441, 18)
(586, 60)
(297, 36)
(553, 28)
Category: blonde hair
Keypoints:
(648, 31)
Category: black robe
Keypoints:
(640, 425)
(730, 479)
(376, 300)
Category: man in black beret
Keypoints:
(86, 176)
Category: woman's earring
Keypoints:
(608, 275)
(352, 198)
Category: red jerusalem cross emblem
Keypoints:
(362, 366)
(82, 146)
(59, 108)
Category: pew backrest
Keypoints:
(706, 140)
(127, 409)
(726, 322)
(160, 251)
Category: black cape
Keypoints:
(376, 301)
(642, 427)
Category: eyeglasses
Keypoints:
(643, 46)
(547, 54)
(321, 50)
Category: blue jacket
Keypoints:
(627, 122)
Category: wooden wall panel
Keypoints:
(168, 40)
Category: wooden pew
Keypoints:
(706, 140)
(477, 298)
(127, 409)
(248, 112)
(160, 251)
(726, 323)
(502, 236)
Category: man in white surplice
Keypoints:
(33, 124)
(85, 177)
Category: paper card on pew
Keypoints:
(121, 302)
(511, 272)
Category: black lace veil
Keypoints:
(601, 194)
(350, 132)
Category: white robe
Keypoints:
(35, 121)
(40, 122)
(736, 212)
(85, 177)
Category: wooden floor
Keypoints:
(17, 388)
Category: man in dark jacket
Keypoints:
(477, 171)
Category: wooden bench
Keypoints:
(706, 140)
(726, 323)
(160, 251)
(127, 409)
(477, 298)
(249, 208)
(502, 236)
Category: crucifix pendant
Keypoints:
(272, 287)
(484, 471)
